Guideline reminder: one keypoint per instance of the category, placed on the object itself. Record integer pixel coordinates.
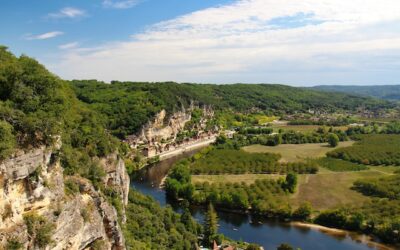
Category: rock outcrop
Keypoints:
(33, 183)
(161, 134)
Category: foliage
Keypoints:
(333, 140)
(385, 187)
(303, 212)
(14, 244)
(229, 161)
(210, 226)
(149, 226)
(290, 182)
(372, 150)
(339, 165)
(7, 139)
(39, 229)
(285, 246)
(119, 100)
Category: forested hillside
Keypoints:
(387, 92)
(119, 100)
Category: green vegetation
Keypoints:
(385, 187)
(39, 229)
(379, 149)
(333, 140)
(296, 152)
(339, 165)
(228, 161)
(210, 226)
(149, 226)
(119, 100)
(387, 92)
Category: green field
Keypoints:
(296, 152)
(331, 189)
(246, 178)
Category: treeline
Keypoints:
(256, 131)
(379, 217)
(374, 128)
(228, 161)
(118, 101)
(376, 149)
(340, 121)
(321, 135)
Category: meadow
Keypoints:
(296, 152)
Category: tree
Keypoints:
(303, 212)
(290, 182)
(285, 246)
(333, 140)
(210, 225)
(253, 247)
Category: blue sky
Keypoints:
(306, 42)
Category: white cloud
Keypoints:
(44, 36)
(68, 12)
(339, 40)
(67, 46)
(120, 4)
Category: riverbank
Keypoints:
(362, 238)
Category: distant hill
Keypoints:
(387, 92)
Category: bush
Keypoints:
(39, 230)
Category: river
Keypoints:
(267, 233)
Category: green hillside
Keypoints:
(128, 105)
(386, 92)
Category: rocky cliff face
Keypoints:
(160, 134)
(33, 183)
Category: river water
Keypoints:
(267, 233)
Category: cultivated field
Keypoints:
(296, 152)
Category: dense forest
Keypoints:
(387, 92)
(119, 100)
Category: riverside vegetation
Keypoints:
(90, 118)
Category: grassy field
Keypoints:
(246, 178)
(330, 189)
(296, 152)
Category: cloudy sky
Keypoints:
(296, 42)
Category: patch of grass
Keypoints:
(331, 189)
(296, 152)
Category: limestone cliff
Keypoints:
(33, 183)
(161, 134)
